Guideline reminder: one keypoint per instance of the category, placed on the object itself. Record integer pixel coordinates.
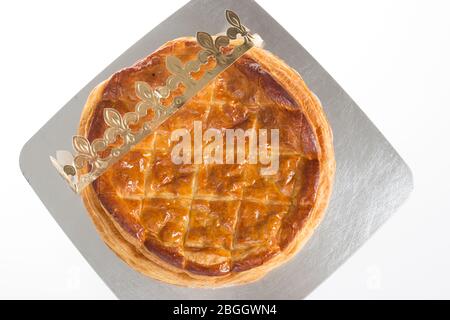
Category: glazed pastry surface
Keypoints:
(212, 224)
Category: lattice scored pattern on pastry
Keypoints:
(217, 218)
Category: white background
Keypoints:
(392, 57)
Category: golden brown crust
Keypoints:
(206, 242)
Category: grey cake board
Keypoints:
(372, 181)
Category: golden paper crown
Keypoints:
(87, 154)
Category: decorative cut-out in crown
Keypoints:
(88, 157)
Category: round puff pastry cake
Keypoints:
(212, 225)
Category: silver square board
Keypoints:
(372, 181)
